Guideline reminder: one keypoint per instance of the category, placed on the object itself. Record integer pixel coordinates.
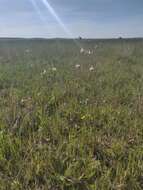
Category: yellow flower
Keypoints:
(83, 117)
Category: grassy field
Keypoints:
(68, 128)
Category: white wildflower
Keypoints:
(86, 101)
(89, 52)
(77, 66)
(22, 101)
(82, 50)
(54, 69)
(91, 68)
(43, 72)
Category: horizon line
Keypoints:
(66, 38)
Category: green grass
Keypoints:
(71, 129)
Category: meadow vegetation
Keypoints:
(71, 128)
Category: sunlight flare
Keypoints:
(55, 16)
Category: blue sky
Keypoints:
(86, 18)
